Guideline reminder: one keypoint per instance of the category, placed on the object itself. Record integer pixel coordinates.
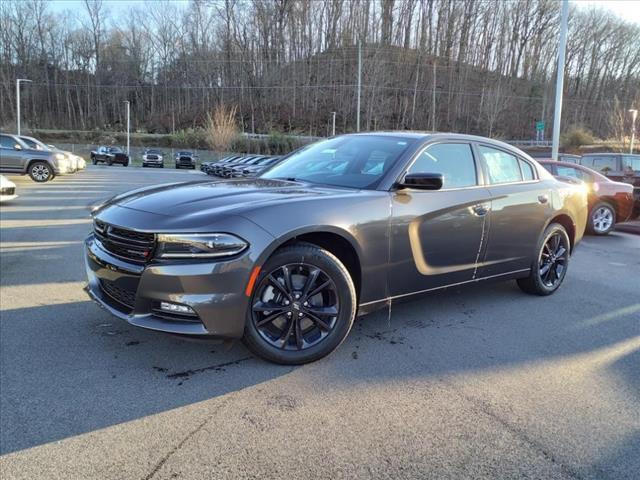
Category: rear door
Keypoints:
(437, 236)
(520, 208)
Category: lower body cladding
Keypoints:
(154, 296)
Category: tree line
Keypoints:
(476, 66)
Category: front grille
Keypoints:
(127, 244)
(7, 191)
(120, 295)
(152, 157)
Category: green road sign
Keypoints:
(539, 126)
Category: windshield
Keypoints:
(115, 150)
(357, 161)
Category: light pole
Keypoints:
(562, 49)
(333, 124)
(18, 101)
(128, 123)
(634, 115)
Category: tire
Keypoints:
(40, 172)
(95, 162)
(305, 339)
(551, 262)
(125, 164)
(109, 162)
(602, 219)
(177, 166)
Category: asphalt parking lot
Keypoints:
(480, 382)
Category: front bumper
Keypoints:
(214, 290)
(155, 163)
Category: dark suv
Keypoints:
(109, 155)
(620, 167)
(186, 159)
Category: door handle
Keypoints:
(480, 210)
(543, 198)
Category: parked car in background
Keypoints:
(82, 163)
(153, 158)
(208, 167)
(609, 202)
(186, 159)
(562, 157)
(256, 168)
(215, 168)
(226, 171)
(36, 144)
(109, 155)
(7, 189)
(620, 167)
(287, 260)
(41, 165)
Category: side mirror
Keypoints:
(17, 146)
(422, 181)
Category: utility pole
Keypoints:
(562, 48)
(18, 102)
(359, 85)
(433, 99)
(128, 124)
(333, 123)
(634, 115)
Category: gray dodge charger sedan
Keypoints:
(339, 228)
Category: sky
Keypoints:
(627, 9)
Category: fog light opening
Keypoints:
(176, 308)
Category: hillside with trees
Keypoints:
(285, 65)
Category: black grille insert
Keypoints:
(7, 191)
(123, 243)
(120, 295)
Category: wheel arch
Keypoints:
(333, 239)
(569, 225)
(34, 160)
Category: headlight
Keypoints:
(199, 245)
(60, 156)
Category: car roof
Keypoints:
(417, 135)
(610, 154)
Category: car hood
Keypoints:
(221, 197)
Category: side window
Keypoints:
(501, 166)
(573, 172)
(631, 162)
(549, 168)
(453, 160)
(587, 161)
(7, 142)
(605, 164)
(527, 170)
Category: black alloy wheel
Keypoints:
(552, 260)
(302, 307)
(297, 306)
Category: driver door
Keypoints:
(10, 158)
(437, 236)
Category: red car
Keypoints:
(609, 201)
